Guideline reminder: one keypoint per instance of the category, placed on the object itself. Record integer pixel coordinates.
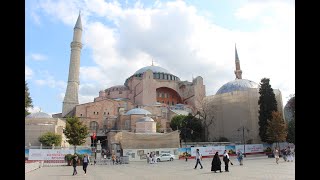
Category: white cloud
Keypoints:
(50, 81)
(28, 72)
(38, 57)
(34, 109)
(183, 41)
(35, 17)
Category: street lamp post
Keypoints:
(243, 138)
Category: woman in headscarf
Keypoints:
(216, 163)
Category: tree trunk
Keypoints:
(75, 148)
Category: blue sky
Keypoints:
(188, 38)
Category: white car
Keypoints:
(165, 157)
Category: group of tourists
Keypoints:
(216, 162)
(287, 154)
(85, 162)
(151, 158)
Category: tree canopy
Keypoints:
(190, 127)
(27, 99)
(292, 120)
(268, 103)
(277, 129)
(50, 138)
(75, 131)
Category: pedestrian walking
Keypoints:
(216, 163)
(154, 158)
(284, 154)
(113, 157)
(148, 158)
(198, 159)
(85, 163)
(289, 155)
(226, 160)
(276, 155)
(74, 164)
(240, 157)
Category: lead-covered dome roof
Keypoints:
(145, 119)
(138, 111)
(38, 115)
(237, 85)
(155, 69)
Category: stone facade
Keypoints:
(146, 90)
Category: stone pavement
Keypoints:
(254, 168)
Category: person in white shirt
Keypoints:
(226, 160)
(198, 159)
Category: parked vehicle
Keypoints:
(165, 157)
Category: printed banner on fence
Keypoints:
(250, 148)
(49, 154)
(208, 151)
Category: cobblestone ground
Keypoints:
(254, 168)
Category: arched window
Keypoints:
(94, 126)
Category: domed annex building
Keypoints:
(39, 123)
(237, 109)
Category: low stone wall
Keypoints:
(32, 166)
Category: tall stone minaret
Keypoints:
(71, 96)
(238, 71)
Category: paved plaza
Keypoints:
(254, 168)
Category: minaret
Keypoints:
(71, 96)
(238, 71)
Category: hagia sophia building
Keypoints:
(151, 96)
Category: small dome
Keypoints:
(237, 85)
(38, 115)
(138, 111)
(154, 69)
(145, 119)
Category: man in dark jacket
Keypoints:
(74, 164)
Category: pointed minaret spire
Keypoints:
(152, 62)
(78, 23)
(238, 71)
(71, 97)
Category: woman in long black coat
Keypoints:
(216, 163)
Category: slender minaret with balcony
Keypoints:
(71, 96)
(238, 71)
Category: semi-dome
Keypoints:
(155, 69)
(38, 115)
(237, 85)
(145, 119)
(138, 111)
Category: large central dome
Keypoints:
(237, 85)
(154, 69)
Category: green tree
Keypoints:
(75, 131)
(177, 122)
(50, 138)
(268, 103)
(277, 128)
(291, 120)
(291, 137)
(27, 99)
(194, 128)
(158, 127)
